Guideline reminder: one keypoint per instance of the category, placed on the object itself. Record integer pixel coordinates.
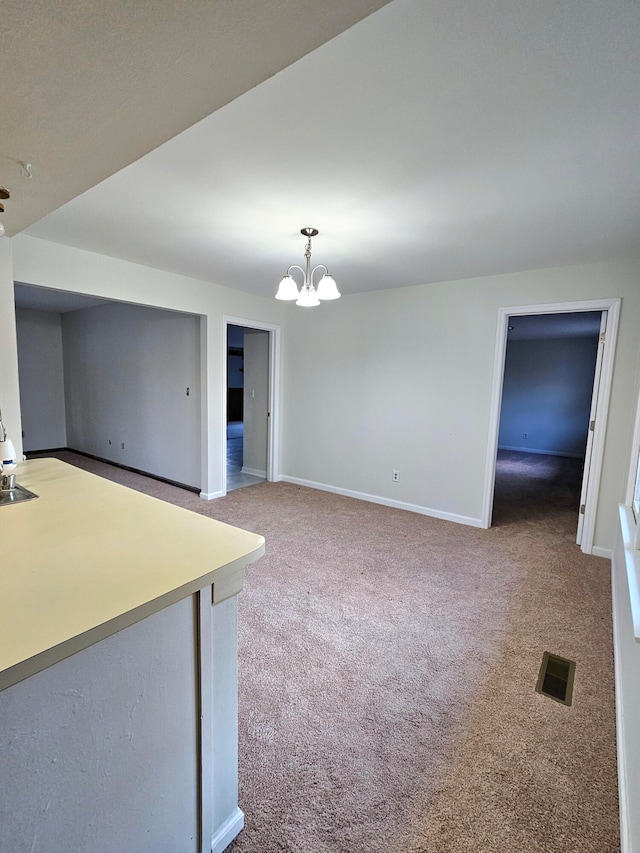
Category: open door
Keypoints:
(610, 308)
(260, 402)
(256, 402)
(592, 425)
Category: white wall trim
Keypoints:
(607, 553)
(228, 831)
(273, 428)
(635, 450)
(606, 380)
(205, 400)
(209, 496)
(541, 452)
(202, 607)
(632, 566)
(254, 472)
(377, 499)
(624, 589)
(612, 306)
(623, 787)
(631, 485)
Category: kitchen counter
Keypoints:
(118, 669)
(89, 557)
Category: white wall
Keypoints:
(548, 385)
(126, 370)
(256, 382)
(41, 379)
(402, 379)
(395, 379)
(39, 262)
(9, 387)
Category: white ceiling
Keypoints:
(431, 141)
(90, 86)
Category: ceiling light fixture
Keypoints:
(4, 195)
(308, 296)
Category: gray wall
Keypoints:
(126, 371)
(548, 385)
(402, 380)
(41, 377)
(393, 379)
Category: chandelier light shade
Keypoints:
(308, 296)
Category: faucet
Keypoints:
(7, 460)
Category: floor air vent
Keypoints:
(556, 678)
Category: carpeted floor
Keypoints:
(388, 664)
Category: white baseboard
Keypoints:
(254, 472)
(541, 452)
(209, 496)
(228, 831)
(376, 499)
(607, 553)
(623, 787)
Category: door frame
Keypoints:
(593, 416)
(273, 415)
(612, 306)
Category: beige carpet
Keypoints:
(388, 664)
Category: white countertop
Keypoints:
(89, 557)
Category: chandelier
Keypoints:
(308, 296)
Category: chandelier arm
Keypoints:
(317, 267)
(295, 267)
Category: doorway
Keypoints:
(247, 406)
(250, 402)
(70, 400)
(552, 379)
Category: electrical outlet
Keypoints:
(525, 435)
(122, 445)
(395, 476)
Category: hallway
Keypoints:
(236, 478)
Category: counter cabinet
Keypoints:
(121, 736)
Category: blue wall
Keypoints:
(547, 392)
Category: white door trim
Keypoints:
(587, 479)
(612, 306)
(635, 452)
(273, 423)
(633, 472)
